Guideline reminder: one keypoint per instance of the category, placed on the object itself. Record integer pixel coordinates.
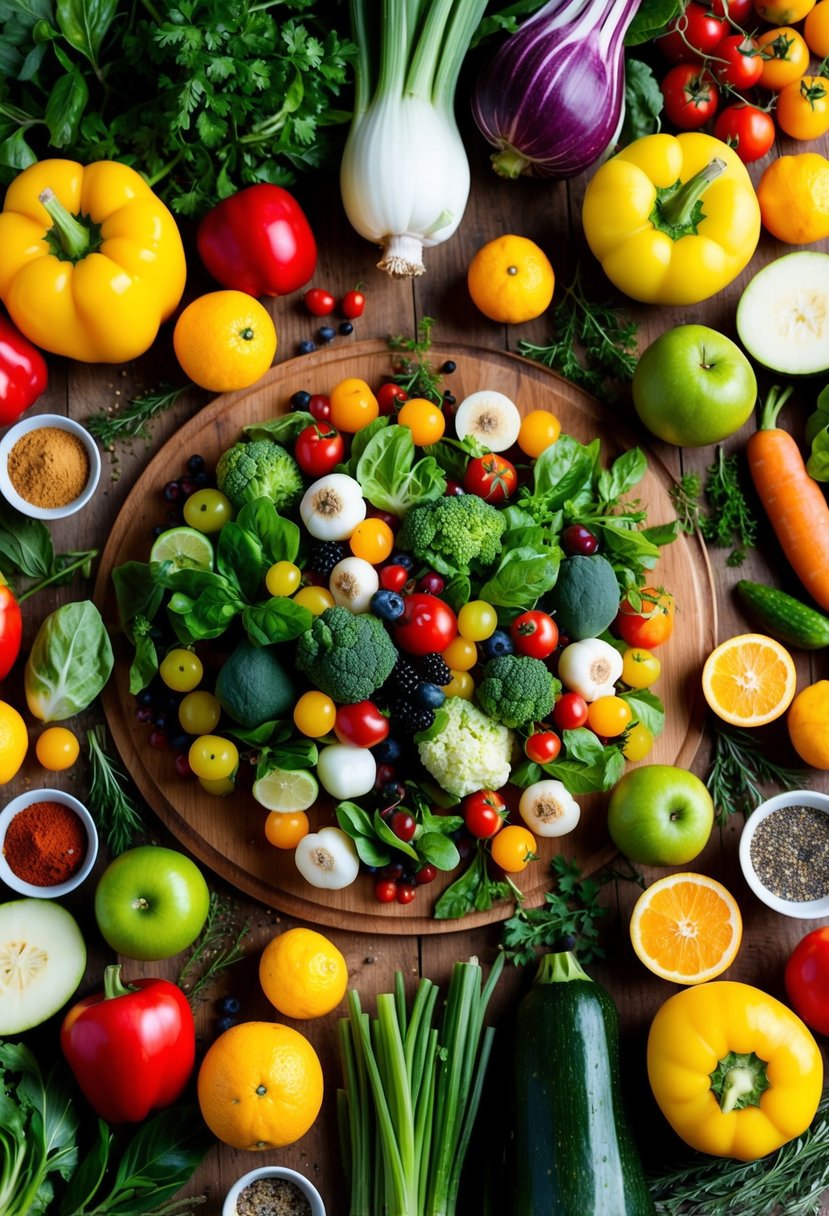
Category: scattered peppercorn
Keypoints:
(448, 367)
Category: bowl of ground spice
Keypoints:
(273, 1190)
(49, 466)
(784, 853)
(48, 844)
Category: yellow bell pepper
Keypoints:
(733, 1070)
(673, 219)
(91, 262)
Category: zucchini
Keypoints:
(573, 1154)
(783, 617)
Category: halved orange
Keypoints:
(749, 680)
(686, 928)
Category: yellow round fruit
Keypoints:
(57, 748)
(808, 723)
(686, 928)
(14, 742)
(260, 1086)
(225, 340)
(511, 280)
(749, 680)
(303, 974)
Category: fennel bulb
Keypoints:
(404, 176)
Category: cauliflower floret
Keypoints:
(470, 753)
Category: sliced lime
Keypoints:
(185, 548)
(285, 789)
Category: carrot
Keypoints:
(794, 502)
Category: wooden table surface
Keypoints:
(548, 213)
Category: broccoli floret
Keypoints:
(345, 655)
(259, 469)
(470, 752)
(516, 689)
(452, 534)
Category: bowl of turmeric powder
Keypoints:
(49, 466)
(48, 843)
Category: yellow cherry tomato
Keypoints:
(539, 431)
(424, 419)
(638, 742)
(285, 829)
(608, 716)
(199, 712)
(315, 599)
(372, 540)
(460, 654)
(181, 669)
(640, 668)
(57, 748)
(816, 29)
(314, 714)
(783, 12)
(477, 621)
(353, 405)
(219, 787)
(785, 57)
(461, 685)
(510, 279)
(213, 757)
(803, 108)
(283, 578)
(513, 848)
(207, 511)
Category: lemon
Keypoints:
(284, 789)
(303, 974)
(14, 742)
(186, 548)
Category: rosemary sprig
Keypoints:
(730, 521)
(738, 770)
(131, 421)
(219, 945)
(108, 797)
(592, 344)
(417, 376)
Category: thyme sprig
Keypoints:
(131, 421)
(731, 520)
(417, 375)
(219, 945)
(738, 770)
(108, 797)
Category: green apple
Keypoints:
(659, 815)
(693, 386)
(151, 903)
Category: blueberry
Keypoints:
(231, 1004)
(402, 559)
(429, 696)
(224, 1024)
(346, 328)
(449, 366)
(195, 464)
(172, 491)
(386, 752)
(306, 346)
(301, 399)
(499, 643)
(326, 334)
(145, 697)
(388, 605)
(181, 742)
(201, 479)
(161, 720)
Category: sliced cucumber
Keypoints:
(783, 314)
(42, 961)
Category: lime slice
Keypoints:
(186, 548)
(285, 789)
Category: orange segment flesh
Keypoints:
(686, 928)
(749, 680)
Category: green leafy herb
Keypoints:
(109, 798)
(391, 475)
(592, 344)
(474, 891)
(643, 102)
(571, 910)
(417, 375)
(26, 550)
(730, 521)
(739, 768)
(131, 421)
(505, 21)
(219, 945)
(651, 18)
(376, 843)
(817, 436)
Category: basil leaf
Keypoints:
(65, 108)
(84, 24)
(474, 891)
(69, 663)
(278, 537)
(282, 430)
(208, 615)
(521, 579)
(158, 1160)
(389, 477)
(25, 544)
(239, 559)
(277, 620)
(625, 472)
(438, 849)
(562, 470)
(647, 709)
(145, 662)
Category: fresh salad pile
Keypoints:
(420, 605)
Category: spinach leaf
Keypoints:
(276, 620)
(357, 824)
(25, 544)
(282, 430)
(474, 891)
(384, 832)
(360, 442)
(69, 663)
(390, 478)
(643, 102)
(439, 850)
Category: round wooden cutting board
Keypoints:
(227, 833)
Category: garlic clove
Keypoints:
(333, 506)
(352, 583)
(549, 809)
(327, 859)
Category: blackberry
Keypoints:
(404, 676)
(325, 556)
(411, 717)
(435, 670)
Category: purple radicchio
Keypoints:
(552, 99)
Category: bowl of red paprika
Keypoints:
(48, 843)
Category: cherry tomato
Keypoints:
(539, 430)
(314, 714)
(803, 108)
(461, 685)
(570, 711)
(390, 396)
(735, 10)
(640, 668)
(477, 621)
(490, 477)
(427, 625)
(692, 35)
(213, 757)
(319, 407)
(199, 712)
(651, 625)
(393, 577)
(57, 748)
(385, 890)
(403, 824)
(783, 12)
(207, 510)
(746, 129)
(513, 848)
(461, 654)
(285, 829)
(372, 540)
(608, 716)
(807, 979)
(425, 874)
(283, 578)
(315, 599)
(737, 61)
(637, 742)
(353, 304)
(484, 813)
(691, 96)
(319, 302)
(318, 448)
(816, 29)
(543, 747)
(535, 634)
(353, 405)
(424, 419)
(361, 724)
(405, 892)
(788, 57)
(576, 539)
(181, 669)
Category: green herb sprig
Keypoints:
(731, 521)
(738, 770)
(26, 550)
(220, 944)
(417, 375)
(109, 798)
(570, 910)
(131, 421)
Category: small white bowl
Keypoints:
(274, 1171)
(35, 422)
(812, 909)
(20, 803)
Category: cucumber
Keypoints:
(573, 1152)
(783, 617)
(783, 314)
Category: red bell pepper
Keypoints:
(23, 373)
(258, 241)
(131, 1047)
(11, 628)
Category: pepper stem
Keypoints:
(678, 210)
(739, 1080)
(559, 967)
(72, 235)
(114, 985)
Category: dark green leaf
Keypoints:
(521, 579)
(457, 592)
(354, 820)
(384, 832)
(282, 430)
(64, 109)
(278, 537)
(651, 18)
(158, 1161)
(25, 544)
(87, 1178)
(136, 593)
(474, 891)
(239, 559)
(84, 24)
(277, 620)
(438, 849)
(643, 102)
(625, 473)
(291, 754)
(145, 661)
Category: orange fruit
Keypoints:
(511, 280)
(14, 742)
(260, 1086)
(793, 194)
(686, 928)
(808, 723)
(224, 341)
(749, 680)
(303, 974)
